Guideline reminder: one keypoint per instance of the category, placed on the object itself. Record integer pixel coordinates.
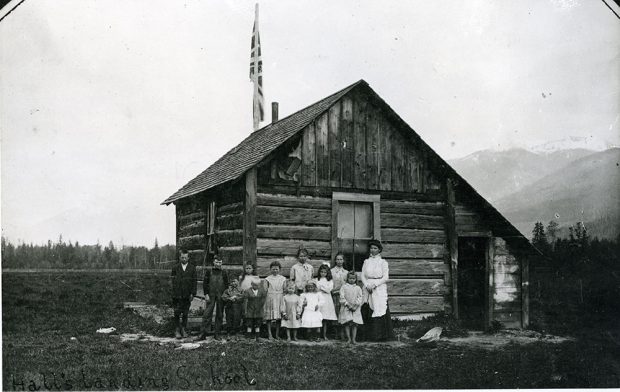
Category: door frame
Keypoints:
(489, 272)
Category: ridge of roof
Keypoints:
(486, 205)
(263, 141)
(256, 146)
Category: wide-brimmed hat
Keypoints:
(376, 243)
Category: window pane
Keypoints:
(363, 220)
(345, 220)
(355, 252)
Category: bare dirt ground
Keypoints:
(475, 339)
(159, 314)
(503, 338)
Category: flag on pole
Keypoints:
(256, 74)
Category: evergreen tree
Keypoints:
(552, 231)
(539, 239)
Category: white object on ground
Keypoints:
(188, 346)
(432, 335)
(106, 330)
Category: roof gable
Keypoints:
(256, 147)
(259, 144)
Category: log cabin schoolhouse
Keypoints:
(344, 170)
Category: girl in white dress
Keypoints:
(350, 304)
(339, 275)
(248, 276)
(325, 285)
(291, 319)
(309, 308)
(275, 291)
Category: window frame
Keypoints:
(337, 197)
(210, 216)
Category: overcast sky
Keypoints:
(108, 107)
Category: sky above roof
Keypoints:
(107, 108)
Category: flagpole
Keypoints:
(256, 74)
(254, 100)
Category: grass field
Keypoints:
(41, 312)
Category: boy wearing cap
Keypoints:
(214, 284)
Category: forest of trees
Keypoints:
(61, 254)
(577, 279)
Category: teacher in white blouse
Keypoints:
(375, 274)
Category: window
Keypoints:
(210, 229)
(356, 221)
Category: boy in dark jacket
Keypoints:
(214, 283)
(183, 291)
(254, 300)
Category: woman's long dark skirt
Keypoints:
(377, 329)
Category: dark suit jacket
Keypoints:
(184, 282)
(253, 304)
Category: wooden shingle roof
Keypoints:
(256, 146)
(259, 144)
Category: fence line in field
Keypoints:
(83, 270)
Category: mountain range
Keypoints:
(565, 185)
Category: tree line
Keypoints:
(577, 278)
(65, 255)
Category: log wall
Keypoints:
(284, 222)
(229, 233)
(191, 227)
(191, 223)
(470, 222)
(414, 238)
(412, 231)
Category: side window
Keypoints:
(356, 220)
(210, 230)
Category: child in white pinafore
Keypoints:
(311, 317)
(291, 318)
(325, 285)
(275, 291)
(350, 307)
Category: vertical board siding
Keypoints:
(411, 170)
(354, 145)
(347, 138)
(335, 146)
(359, 144)
(322, 150)
(398, 161)
(308, 145)
(372, 149)
(385, 155)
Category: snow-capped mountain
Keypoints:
(527, 186)
(572, 143)
(496, 174)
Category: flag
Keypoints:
(256, 75)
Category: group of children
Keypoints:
(303, 301)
